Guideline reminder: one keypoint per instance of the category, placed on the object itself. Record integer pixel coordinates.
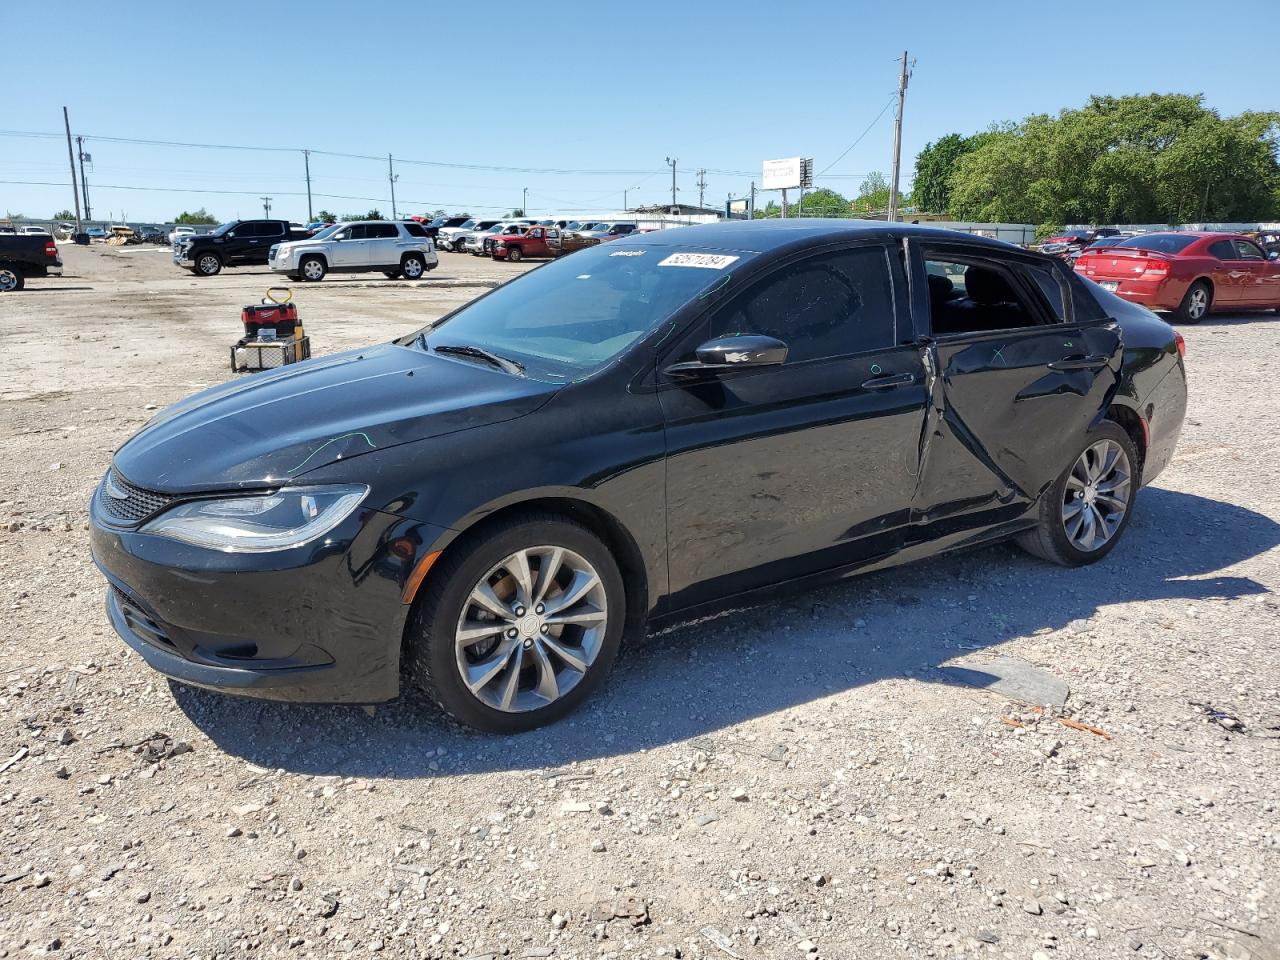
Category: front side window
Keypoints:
(830, 305)
(356, 231)
(572, 316)
(1247, 251)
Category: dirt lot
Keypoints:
(801, 779)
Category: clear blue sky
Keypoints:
(599, 86)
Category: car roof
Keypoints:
(761, 236)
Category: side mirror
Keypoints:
(231, 234)
(732, 353)
(1274, 255)
(339, 236)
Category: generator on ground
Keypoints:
(273, 335)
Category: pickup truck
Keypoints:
(27, 256)
(516, 247)
(240, 242)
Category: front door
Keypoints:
(1017, 382)
(783, 471)
(1263, 289)
(351, 249)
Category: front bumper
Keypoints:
(322, 623)
(182, 257)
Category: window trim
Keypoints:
(888, 247)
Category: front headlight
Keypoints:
(287, 518)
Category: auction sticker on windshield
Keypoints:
(708, 261)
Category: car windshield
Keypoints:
(570, 317)
(328, 232)
(1159, 242)
(466, 225)
(437, 222)
(221, 229)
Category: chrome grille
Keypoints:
(135, 506)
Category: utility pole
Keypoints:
(266, 206)
(624, 196)
(903, 77)
(751, 207)
(306, 159)
(72, 160)
(702, 186)
(391, 175)
(84, 184)
(671, 162)
(524, 202)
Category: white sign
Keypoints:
(707, 261)
(781, 174)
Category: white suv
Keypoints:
(395, 248)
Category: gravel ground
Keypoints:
(795, 780)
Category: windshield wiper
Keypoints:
(466, 350)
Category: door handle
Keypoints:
(1080, 363)
(882, 383)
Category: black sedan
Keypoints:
(645, 431)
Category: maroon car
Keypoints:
(516, 247)
(1188, 274)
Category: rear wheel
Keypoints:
(520, 625)
(1195, 304)
(11, 278)
(1084, 512)
(208, 264)
(412, 266)
(312, 268)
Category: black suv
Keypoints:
(233, 244)
(433, 227)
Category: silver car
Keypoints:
(397, 249)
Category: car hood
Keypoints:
(271, 428)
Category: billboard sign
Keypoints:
(781, 174)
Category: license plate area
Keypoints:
(1111, 285)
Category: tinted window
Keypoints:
(1160, 242)
(1223, 250)
(269, 229)
(1047, 281)
(1247, 251)
(357, 232)
(415, 229)
(382, 231)
(825, 306)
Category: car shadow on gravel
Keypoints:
(695, 680)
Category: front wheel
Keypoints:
(1195, 304)
(412, 266)
(11, 278)
(515, 255)
(312, 269)
(520, 625)
(391, 274)
(208, 264)
(1084, 512)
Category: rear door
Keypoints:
(1016, 382)
(384, 244)
(783, 471)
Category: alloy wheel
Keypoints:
(531, 629)
(1097, 495)
(312, 270)
(1199, 303)
(8, 280)
(209, 265)
(412, 268)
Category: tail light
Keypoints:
(1182, 344)
(50, 248)
(1155, 270)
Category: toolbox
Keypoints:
(273, 336)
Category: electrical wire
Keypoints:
(860, 136)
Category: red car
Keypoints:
(1188, 274)
(515, 247)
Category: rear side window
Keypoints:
(1223, 249)
(830, 305)
(415, 230)
(382, 231)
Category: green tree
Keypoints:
(931, 186)
(769, 211)
(517, 212)
(326, 216)
(64, 214)
(374, 214)
(825, 203)
(873, 195)
(201, 216)
(1159, 158)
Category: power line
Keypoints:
(882, 112)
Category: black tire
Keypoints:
(207, 265)
(1049, 540)
(11, 278)
(1190, 309)
(514, 254)
(391, 274)
(412, 266)
(294, 277)
(312, 269)
(431, 653)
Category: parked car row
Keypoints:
(522, 238)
